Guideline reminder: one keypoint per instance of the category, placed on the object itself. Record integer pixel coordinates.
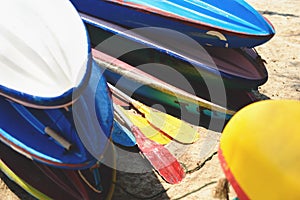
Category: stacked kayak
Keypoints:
(156, 40)
(45, 182)
(211, 22)
(240, 70)
(57, 114)
(56, 111)
(54, 135)
(152, 90)
(57, 136)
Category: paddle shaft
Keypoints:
(160, 85)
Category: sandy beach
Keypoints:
(282, 56)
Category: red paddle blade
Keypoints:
(165, 164)
(160, 158)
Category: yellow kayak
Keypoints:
(260, 150)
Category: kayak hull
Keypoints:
(251, 147)
(234, 68)
(44, 182)
(35, 70)
(231, 24)
(174, 104)
(29, 137)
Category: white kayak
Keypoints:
(45, 58)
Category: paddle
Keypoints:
(159, 157)
(148, 130)
(143, 78)
(175, 128)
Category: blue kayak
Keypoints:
(73, 137)
(235, 68)
(231, 23)
(55, 104)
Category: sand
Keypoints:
(282, 55)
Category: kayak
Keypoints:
(234, 68)
(43, 62)
(48, 85)
(152, 91)
(73, 137)
(44, 182)
(23, 184)
(259, 150)
(211, 22)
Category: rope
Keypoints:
(88, 183)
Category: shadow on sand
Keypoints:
(266, 12)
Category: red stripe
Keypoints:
(31, 105)
(230, 177)
(35, 157)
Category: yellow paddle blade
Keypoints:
(260, 150)
(28, 188)
(148, 130)
(174, 127)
